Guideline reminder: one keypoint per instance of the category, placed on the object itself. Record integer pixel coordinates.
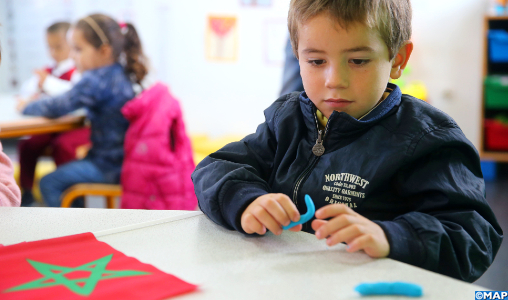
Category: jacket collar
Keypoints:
(340, 123)
(63, 67)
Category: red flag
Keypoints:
(77, 267)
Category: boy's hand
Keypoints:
(270, 211)
(358, 232)
(43, 74)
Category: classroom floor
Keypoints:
(496, 277)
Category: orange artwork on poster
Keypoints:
(222, 38)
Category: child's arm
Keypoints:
(452, 229)
(10, 194)
(83, 94)
(229, 180)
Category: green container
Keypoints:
(496, 92)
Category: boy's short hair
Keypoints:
(59, 27)
(391, 18)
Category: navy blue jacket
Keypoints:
(407, 166)
(103, 92)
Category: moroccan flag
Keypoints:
(80, 267)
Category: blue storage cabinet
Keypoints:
(498, 45)
(489, 170)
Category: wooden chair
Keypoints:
(109, 191)
(202, 146)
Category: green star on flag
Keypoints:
(77, 266)
(55, 275)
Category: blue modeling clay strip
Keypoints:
(311, 209)
(390, 288)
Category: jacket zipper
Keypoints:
(319, 144)
(319, 141)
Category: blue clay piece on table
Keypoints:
(311, 209)
(390, 288)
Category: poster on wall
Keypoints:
(222, 38)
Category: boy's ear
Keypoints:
(400, 60)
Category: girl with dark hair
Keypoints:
(111, 59)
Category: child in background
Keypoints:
(62, 75)
(100, 46)
(9, 190)
(51, 81)
(389, 174)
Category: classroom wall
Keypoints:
(217, 97)
(448, 38)
(229, 97)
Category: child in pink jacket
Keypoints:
(158, 163)
(10, 195)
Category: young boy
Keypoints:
(388, 173)
(51, 81)
(62, 75)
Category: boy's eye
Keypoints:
(359, 62)
(317, 62)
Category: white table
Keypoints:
(226, 264)
(8, 111)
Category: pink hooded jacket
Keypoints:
(158, 163)
(10, 194)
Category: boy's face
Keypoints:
(345, 71)
(59, 49)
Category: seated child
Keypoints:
(389, 174)
(10, 194)
(99, 44)
(51, 81)
(62, 75)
